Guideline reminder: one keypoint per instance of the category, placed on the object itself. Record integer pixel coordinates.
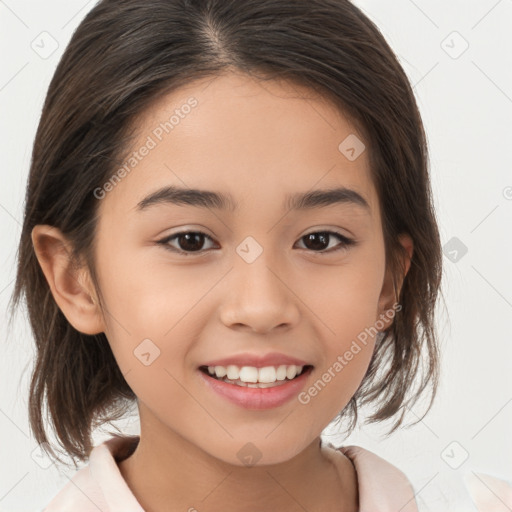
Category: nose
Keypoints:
(258, 297)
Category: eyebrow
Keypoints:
(221, 201)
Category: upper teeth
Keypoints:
(252, 374)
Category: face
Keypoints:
(255, 275)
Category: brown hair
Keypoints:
(125, 55)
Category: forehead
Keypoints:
(257, 141)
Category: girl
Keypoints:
(283, 139)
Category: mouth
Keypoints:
(253, 377)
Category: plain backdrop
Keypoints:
(457, 55)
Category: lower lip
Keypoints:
(258, 398)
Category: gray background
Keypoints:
(465, 97)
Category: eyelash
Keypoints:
(346, 242)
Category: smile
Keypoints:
(256, 388)
(250, 376)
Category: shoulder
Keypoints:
(80, 494)
(382, 486)
(99, 485)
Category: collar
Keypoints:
(382, 486)
(105, 471)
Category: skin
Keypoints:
(257, 141)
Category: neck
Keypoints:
(167, 473)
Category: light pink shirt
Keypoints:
(99, 486)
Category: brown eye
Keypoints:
(187, 241)
(319, 241)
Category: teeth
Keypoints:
(266, 374)
(281, 372)
(220, 371)
(253, 375)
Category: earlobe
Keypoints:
(67, 283)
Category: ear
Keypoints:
(71, 287)
(389, 296)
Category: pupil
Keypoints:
(312, 236)
(188, 245)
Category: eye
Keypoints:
(317, 241)
(193, 241)
(189, 241)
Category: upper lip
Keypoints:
(258, 361)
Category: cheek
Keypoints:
(147, 295)
(155, 312)
(345, 298)
(346, 356)
(345, 303)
